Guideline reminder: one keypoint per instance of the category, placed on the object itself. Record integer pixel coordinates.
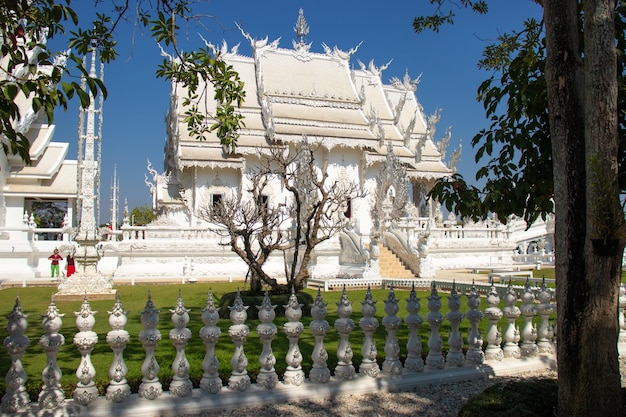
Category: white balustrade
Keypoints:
(511, 335)
(86, 339)
(344, 326)
(51, 395)
(493, 313)
(413, 321)
(16, 397)
(239, 379)
(180, 335)
(434, 359)
(369, 324)
(475, 352)
(210, 334)
(455, 355)
(118, 389)
(16, 400)
(267, 330)
(319, 326)
(392, 364)
(545, 331)
(150, 387)
(529, 332)
(294, 374)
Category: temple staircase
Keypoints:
(391, 266)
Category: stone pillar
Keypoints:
(413, 321)
(210, 333)
(494, 336)
(86, 391)
(511, 335)
(434, 318)
(239, 379)
(475, 352)
(319, 326)
(294, 374)
(118, 389)
(267, 330)
(344, 326)
(392, 364)
(455, 341)
(529, 332)
(369, 324)
(150, 387)
(51, 395)
(544, 309)
(180, 335)
(16, 397)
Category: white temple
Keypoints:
(369, 132)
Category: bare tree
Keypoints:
(312, 212)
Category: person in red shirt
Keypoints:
(70, 266)
(54, 266)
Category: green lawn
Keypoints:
(34, 302)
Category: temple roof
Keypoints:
(62, 184)
(296, 92)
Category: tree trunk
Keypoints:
(587, 262)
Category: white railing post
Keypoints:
(511, 335)
(529, 333)
(434, 359)
(369, 324)
(210, 333)
(267, 377)
(150, 387)
(180, 335)
(294, 375)
(344, 326)
(392, 364)
(413, 321)
(493, 313)
(455, 355)
(118, 389)
(239, 379)
(544, 309)
(16, 397)
(51, 395)
(319, 326)
(86, 391)
(475, 352)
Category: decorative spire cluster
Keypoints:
(301, 28)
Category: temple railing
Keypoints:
(517, 346)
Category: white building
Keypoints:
(369, 131)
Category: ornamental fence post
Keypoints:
(16, 397)
(392, 364)
(413, 321)
(86, 339)
(267, 377)
(319, 326)
(150, 387)
(118, 389)
(51, 395)
(369, 324)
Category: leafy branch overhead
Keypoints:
(35, 81)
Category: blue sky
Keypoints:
(134, 129)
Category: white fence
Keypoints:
(528, 346)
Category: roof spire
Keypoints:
(301, 28)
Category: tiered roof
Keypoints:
(295, 92)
